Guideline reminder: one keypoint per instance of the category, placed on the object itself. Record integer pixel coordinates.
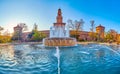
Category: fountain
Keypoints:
(59, 34)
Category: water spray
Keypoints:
(57, 54)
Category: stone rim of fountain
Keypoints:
(60, 42)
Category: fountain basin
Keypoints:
(59, 42)
(80, 59)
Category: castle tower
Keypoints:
(100, 31)
(59, 16)
(59, 29)
(17, 33)
(59, 19)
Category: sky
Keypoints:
(44, 12)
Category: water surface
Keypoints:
(81, 59)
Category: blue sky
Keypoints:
(43, 12)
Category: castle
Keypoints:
(82, 35)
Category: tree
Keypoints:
(93, 36)
(1, 28)
(111, 35)
(108, 37)
(6, 33)
(23, 26)
(38, 36)
(35, 35)
(5, 37)
(76, 26)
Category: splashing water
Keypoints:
(57, 54)
(113, 50)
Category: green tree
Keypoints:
(38, 36)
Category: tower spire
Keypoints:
(59, 19)
(59, 12)
(59, 16)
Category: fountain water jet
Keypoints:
(57, 54)
(59, 34)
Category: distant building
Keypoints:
(100, 31)
(46, 32)
(17, 33)
(25, 36)
(84, 35)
